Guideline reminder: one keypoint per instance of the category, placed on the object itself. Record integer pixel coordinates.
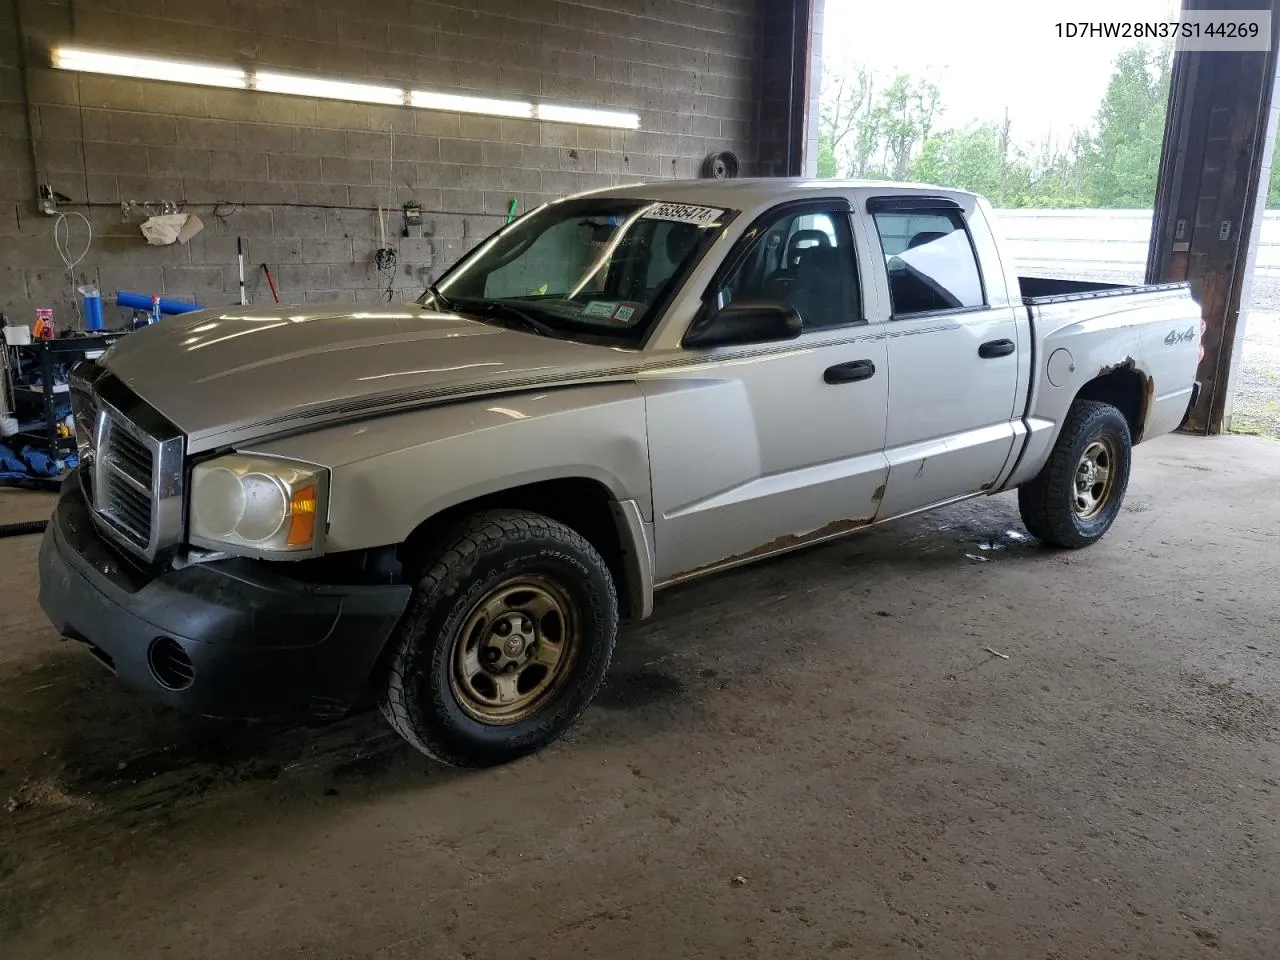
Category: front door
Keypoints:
(953, 359)
(757, 447)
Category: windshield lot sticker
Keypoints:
(624, 313)
(684, 213)
(599, 308)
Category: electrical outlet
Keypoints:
(412, 219)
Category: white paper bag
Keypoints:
(163, 229)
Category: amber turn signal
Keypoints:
(302, 516)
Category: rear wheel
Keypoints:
(506, 640)
(1078, 493)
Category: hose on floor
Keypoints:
(22, 529)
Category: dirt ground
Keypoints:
(818, 756)
(1256, 408)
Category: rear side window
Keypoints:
(930, 261)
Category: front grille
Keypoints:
(126, 466)
(84, 411)
(131, 457)
(128, 507)
(131, 466)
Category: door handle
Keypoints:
(850, 372)
(996, 348)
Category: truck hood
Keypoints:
(223, 377)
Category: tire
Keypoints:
(1049, 503)
(450, 667)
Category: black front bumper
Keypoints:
(260, 644)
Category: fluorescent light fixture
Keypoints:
(463, 103)
(326, 89)
(586, 115)
(180, 71)
(146, 68)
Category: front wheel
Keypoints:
(1078, 493)
(506, 640)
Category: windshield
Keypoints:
(598, 266)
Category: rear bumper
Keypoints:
(258, 644)
(1191, 404)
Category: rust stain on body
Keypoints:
(1128, 363)
(789, 541)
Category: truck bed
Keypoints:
(1037, 291)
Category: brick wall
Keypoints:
(300, 179)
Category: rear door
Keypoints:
(952, 352)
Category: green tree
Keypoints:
(985, 158)
(1273, 188)
(968, 159)
(890, 131)
(1124, 158)
(871, 132)
(844, 111)
(904, 118)
(828, 166)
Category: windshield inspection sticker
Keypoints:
(599, 308)
(683, 213)
(624, 313)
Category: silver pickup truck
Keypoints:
(447, 506)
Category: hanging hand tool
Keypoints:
(272, 282)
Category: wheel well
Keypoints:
(580, 504)
(1125, 389)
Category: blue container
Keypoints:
(93, 313)
(138, 301)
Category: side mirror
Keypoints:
(750, 321)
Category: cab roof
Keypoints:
(750, 193)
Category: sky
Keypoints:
(985, 55)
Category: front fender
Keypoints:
(392, 473)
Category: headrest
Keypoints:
(925, 236)
(809, 238)
(681, 238)
(826, 255)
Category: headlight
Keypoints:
(258, 505)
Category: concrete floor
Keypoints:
(814, 757)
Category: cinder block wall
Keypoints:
(300, 179)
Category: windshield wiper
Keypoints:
(505, 311)
(439, 297)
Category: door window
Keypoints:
(807, 261)
(930, 261)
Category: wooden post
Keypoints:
(1210, 194)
